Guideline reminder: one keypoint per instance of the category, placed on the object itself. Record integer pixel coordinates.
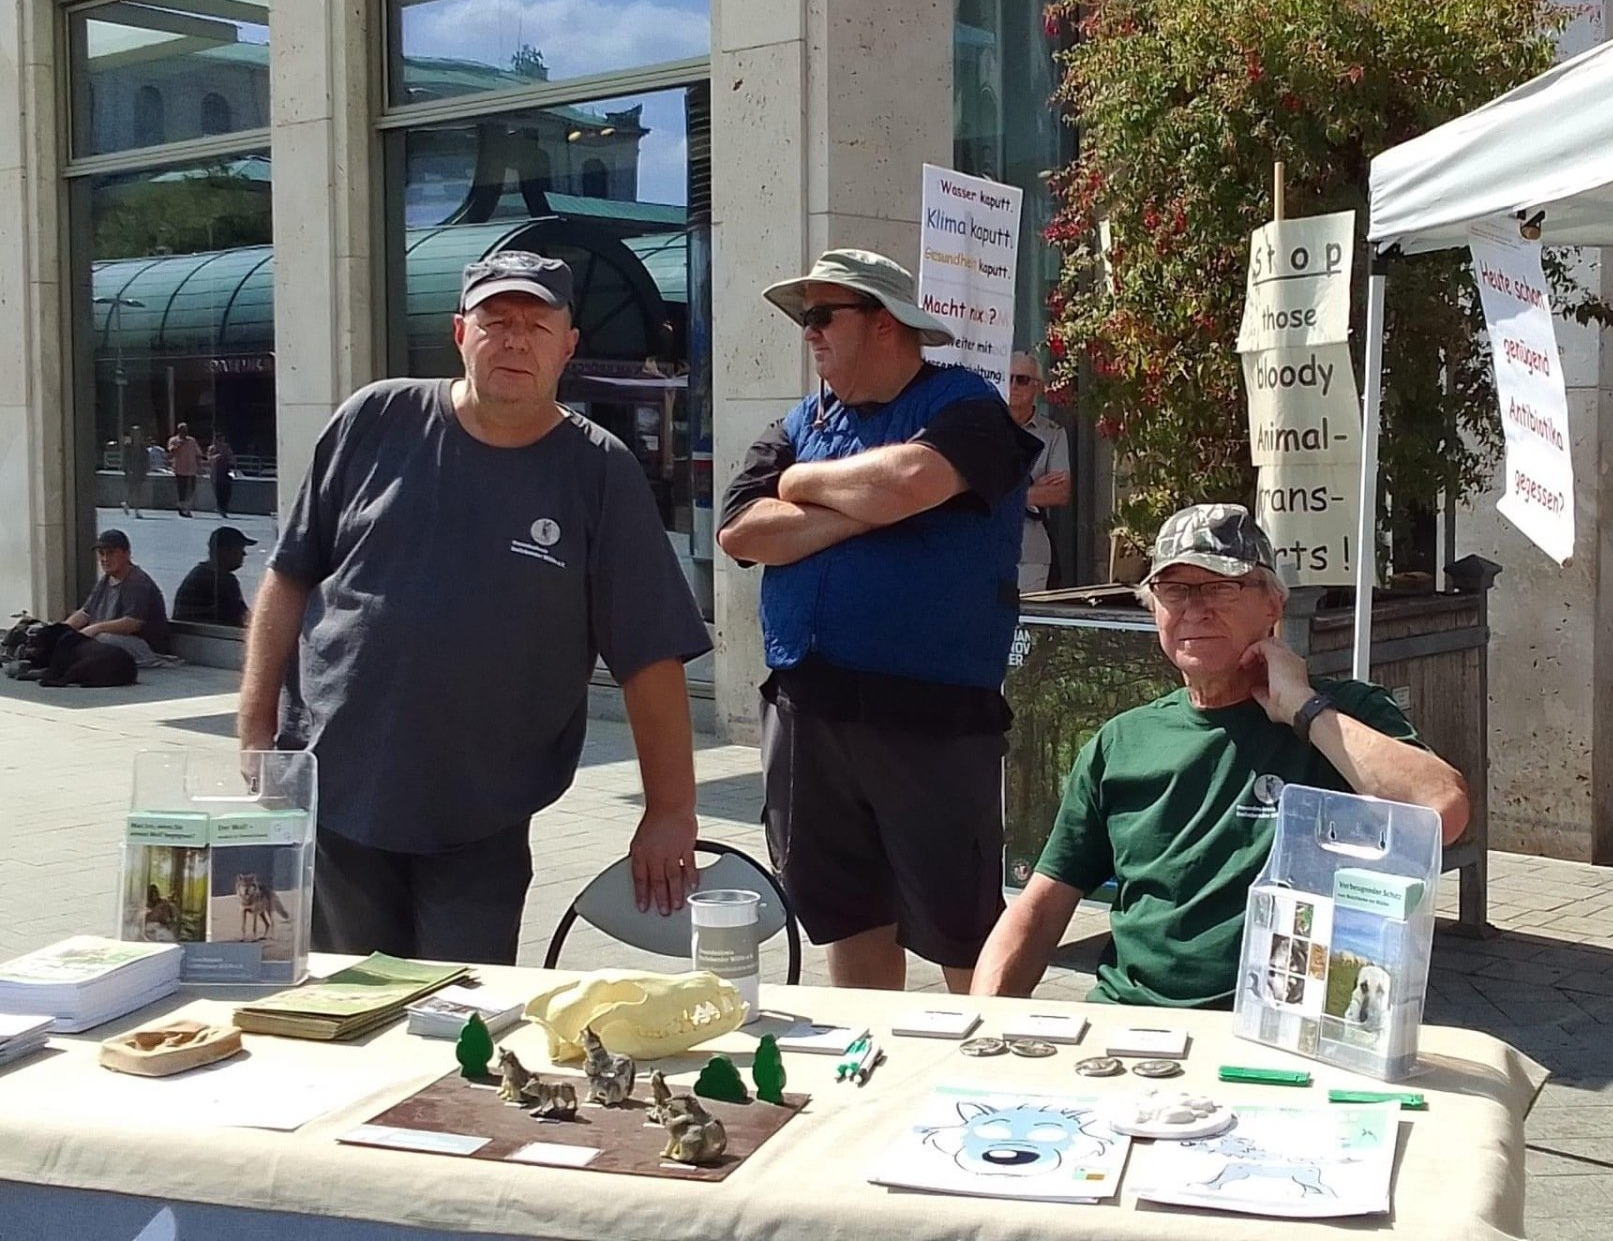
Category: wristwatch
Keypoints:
(1314, 706)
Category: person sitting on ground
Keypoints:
(210, 594)
(1177, 800)
(126, 607)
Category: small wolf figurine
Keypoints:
(694, 1135)
(555, 1101)
(515, 1076)
(610, 1077)
(259, 905)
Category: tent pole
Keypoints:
(1366, 556)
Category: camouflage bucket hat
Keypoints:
(1222, 538)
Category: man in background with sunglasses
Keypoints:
(1177, 800)
(888, 510)
(1050, 476)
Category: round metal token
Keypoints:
(983, 1047)
(1156, 1068)
(1035, 1048)
(1099, 1066)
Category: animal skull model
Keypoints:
(645, 1016)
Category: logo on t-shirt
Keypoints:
(1264, 791)
(545, 532)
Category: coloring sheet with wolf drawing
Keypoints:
(1300, 1162)
(1050, 1148)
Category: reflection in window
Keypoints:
(444, 48)
(149, 122)
(143, 74)
(605, 187)
(178, 326)
(215, 114)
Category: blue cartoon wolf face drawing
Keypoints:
(1023, 1140)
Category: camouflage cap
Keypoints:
(1222, 538)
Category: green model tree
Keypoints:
(768, 1071)
(474, 1051)
(721, 1080)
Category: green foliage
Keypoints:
(218, 210)
(721, 1080)
(474, 1050)
(1071, 680)
(1182, 107)
(767, 1071)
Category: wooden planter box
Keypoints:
(1084, 655)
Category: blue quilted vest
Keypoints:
(933, 597)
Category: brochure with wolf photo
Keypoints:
(1007, 1144)
(257, 916)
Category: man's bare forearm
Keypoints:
(1049, 495)
(130, 625)
(777, 532)
(881, 486)
(1380, 766)
(270, 642)
(1020, 946)
(657, 702)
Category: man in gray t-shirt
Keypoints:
(1050, 475)
(125, 606)
(471, 547)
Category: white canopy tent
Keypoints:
(1542, 154)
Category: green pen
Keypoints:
(1410, 1100)
(1265, 1077)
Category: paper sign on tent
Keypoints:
(1538, 467)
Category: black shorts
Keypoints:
(870, 827)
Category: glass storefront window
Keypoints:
(145, 74)
(176, 325)
(606, 186)
(446, 48)
(1005, 127)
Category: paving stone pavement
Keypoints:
(1542, 982)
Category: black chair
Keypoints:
(607, 903)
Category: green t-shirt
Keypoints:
(1179, 806)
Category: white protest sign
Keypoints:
(1302, 406)
(1304, 414)
(968, 260)
(1298, 288)
(1310, 513)
(1539, 496)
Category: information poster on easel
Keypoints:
(1304, 413)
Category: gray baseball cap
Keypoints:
(873, 275)
(515, 271)
(1222, 538)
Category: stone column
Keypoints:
(38, 456)
(326, 183)
(823, 112)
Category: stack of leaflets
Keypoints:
(350, 1002)
(21, 1036)
(86, 980)
(444, 1014)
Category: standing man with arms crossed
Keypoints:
(1050, 476)
(474, 545)
(888, 510)
(185, 455)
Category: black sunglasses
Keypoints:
(1022, 379)
(821, 316)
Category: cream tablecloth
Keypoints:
(1459, 1172)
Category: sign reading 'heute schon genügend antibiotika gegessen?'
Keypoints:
(968, 259)
(1304, 414)
(1539, 468)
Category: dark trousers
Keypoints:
(185, 489)
(222, 489)
(462, 905)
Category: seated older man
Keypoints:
(1177, 800)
